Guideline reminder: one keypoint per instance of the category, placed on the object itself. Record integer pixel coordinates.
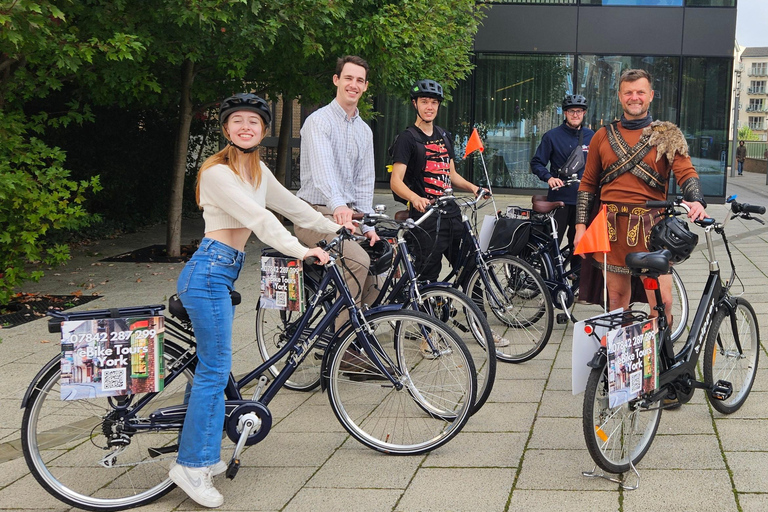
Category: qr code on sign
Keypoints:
(281, 299)
(636, 382)
(113, 379)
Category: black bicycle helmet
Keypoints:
(381, 255)
(427, 89)
(245, 101)
(575, 101)
(673, 234)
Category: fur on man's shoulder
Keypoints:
(667, 138)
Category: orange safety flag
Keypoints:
(473, 144)
(595, 238)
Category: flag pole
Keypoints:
(487, 180)
(605, 282)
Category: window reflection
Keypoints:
(517, 100)
(704, 118)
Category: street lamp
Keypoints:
(735, 136)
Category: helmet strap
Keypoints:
(243, 150)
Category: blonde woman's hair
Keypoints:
(235, 159)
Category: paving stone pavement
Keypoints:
(523, 451)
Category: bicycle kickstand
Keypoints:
(595, 474)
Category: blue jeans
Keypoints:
(741, 166)
(203, 287)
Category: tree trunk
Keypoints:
(284, 142)
(173, 232)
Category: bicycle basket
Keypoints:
(510, 235)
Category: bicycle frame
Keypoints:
(548, 247)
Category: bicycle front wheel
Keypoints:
(615, 436)
(83, 454)
(456, 310)
(517, 304)
(724, 361)
(437, 394)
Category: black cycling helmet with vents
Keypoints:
(575, 101)
(245, 101)
(381, 255)
(673, 234)
(427, 89)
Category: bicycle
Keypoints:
(115, 453)
(504, 285)
(400, 286)
(543, 251)
(724, 325)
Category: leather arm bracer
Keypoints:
(584, 203)
(692, 191)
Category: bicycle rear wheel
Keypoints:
(680, 307)
(456, 310)
(724, 361)
(437, 396)
(274, 329)
(616, 435)
(521, 306)
(64, 444)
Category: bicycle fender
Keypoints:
(599, 360)
(345, 328)
(43, 371)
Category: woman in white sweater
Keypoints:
(234, 190)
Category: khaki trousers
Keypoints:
(355, 259)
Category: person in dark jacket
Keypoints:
(555, 148)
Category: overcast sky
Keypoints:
(752, 22)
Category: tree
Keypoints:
(40, 53)
(746, 133)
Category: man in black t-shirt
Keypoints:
(423, 168)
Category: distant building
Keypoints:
(753, 90)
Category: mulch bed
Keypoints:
(25, 307)
(154, 254)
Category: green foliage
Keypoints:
(37, 198)
(746, 133)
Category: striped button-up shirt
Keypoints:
(337, 166)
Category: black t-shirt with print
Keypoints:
(428, 164)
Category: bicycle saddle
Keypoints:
(176, 308)
(541, 205)
(651, 264)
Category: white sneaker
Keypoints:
(499, 341)
(218, 468)
(198, 485)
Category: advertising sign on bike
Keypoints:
(111, 357)
(282, 284)
(632, 368)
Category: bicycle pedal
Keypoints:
(722, 390)
(232, 469)
(562, 318)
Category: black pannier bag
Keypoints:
(510, 235)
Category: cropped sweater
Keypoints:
(228, 202)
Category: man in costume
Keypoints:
(629, 163)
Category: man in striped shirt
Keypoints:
(337, 170)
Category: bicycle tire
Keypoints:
(722, 360)
(680, 307)
(526, 318)
(456, 310)
(274, 330)
(610, 431)
(59, 439)
(437, 396)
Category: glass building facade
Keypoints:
(528, 55)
